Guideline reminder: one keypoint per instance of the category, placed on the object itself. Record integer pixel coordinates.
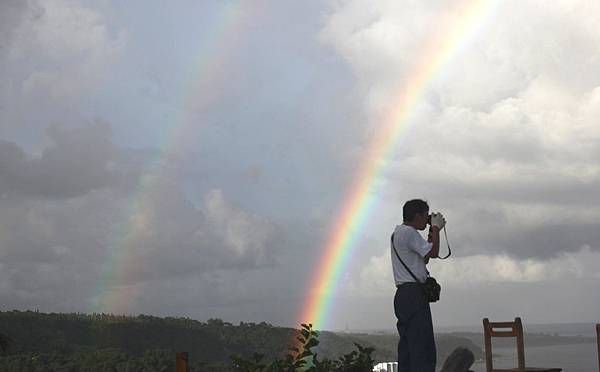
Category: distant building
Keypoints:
(386, 367)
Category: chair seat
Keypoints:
(528, 369)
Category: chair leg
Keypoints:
(488, 345)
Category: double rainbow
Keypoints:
(360, 200)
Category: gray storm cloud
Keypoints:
(76, 162)
(11, 14)
(53, 55)
(65, 215)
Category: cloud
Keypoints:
(246, 236)
(76, 162)
(506, 48)
(11, 14)
(477, 271)
(512, 175)
(54, 53)
(70, 216)
(503, 141)
(166, 236)
(505, 138)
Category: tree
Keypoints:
(5, 342)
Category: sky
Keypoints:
(192, 158)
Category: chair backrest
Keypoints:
(503, 329)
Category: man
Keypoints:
(416, 348)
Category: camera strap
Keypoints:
(402, 262)
(448, 244)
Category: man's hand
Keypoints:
(438, 220)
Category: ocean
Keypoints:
(582, 357)
(571, 358)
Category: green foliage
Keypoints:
(5, 342)
(303, 358)
(210, 342)
(36, 341)
(106, 342)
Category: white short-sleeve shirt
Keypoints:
(412, 248)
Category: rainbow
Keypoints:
(116, 292)
(359, 202)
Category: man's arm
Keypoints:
(434, 236)
(437, 223)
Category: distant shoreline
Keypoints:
(579, 329)
(530, 339)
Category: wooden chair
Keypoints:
(508, 329)
(598, 342)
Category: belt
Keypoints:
(406, 284)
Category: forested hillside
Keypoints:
(69, 342)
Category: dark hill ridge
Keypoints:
(213, 341)
(209, 341)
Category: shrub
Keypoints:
(302, 358)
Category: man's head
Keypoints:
(415, 213)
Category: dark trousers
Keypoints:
(416, 348)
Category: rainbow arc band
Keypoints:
(360, 200)
(116, 292)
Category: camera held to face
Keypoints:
(436, 219)
(429, 218)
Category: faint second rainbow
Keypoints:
(359, 201)
(127, 263)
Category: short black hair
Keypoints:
(412, 208)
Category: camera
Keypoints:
(429, 217)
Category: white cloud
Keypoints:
(482, 270)
(505, 46)
(57, 52)
(244, 235)
(505, 139)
